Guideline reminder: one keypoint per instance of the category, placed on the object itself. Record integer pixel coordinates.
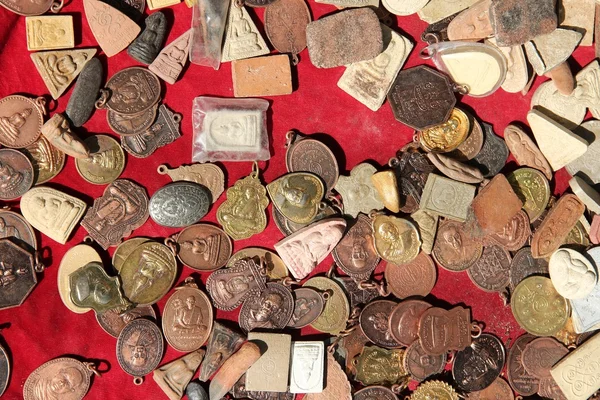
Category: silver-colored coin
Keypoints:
(180, 204)
(4, 370)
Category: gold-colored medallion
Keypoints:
(396, 239)
(379, 366)
(434, 390)
(335, 315)
(386, 184)
(275, 267)
(207, 174)
(92, 288)
(124, 250)
(105, 162)
(532, 187)
(46, 159)
(297, 196)
(243, 214)
(448, 136)
(148, 273)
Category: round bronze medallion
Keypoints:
(148, 273)
(17, 229)
(417, 278)
(478, 365)
(335, 315)
(20, 121)
(375, 392)
(355, 254)
(273, 309)
(523, 265)
(275, 268)
(374, 322)
(310, 155)
(285, 25)
(133, 90)
(130, 125)
(421, 365)
(125, 249)
(491, 272)
(30, 8)
(404, 320)
(46, 159)
(541, 354)
(308, 306)
(16, 174)
(187, 319)
(521, 381)
(204, 247)
(499, 389)
(113, 321)
(50, 380)
(453, 249)
(105, 163)
(140, 348)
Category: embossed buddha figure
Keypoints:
(199, 246)
(9, 126)
(307, 252)
(588, 89)
(91, 287)
(138, 346)
(381, 368)
(63, 67)
(359, 255)
(478, 365)
(270, 308)
(296, 191)
(152, 267)
(149, 42)
(578, 274)
(119, 206)
(174, 59)
(7, 231)
(441, 136)
(221, 344)
(188, 319)
(454, 241)
(178, 373)
(246, 211)
(236, 285)
(9, 178)
(242, 38)
(302, 307)
(46, 33)
(9, 274)
(393, 239)
(303, 375)
(66, 381)
(133, 91)
(380, 322)
(54, 213)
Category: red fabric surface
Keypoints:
(43, 328)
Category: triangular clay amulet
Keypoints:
(59, 68)
(175, 376)
(113, 30)
(171, 60)
(248, 43)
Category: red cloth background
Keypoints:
(43, 328)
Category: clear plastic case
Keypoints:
(208, 22)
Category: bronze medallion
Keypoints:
(140, 348)
(491, 272)
(472, 145)
(308, 306)
(62, 378)
(133, 90)
(417, 278)
(521, 381)
(229, 288)
(541, 354)
(125, 249)
(46, 159)
(148, 273)
(179, 204)
(105, 163)
(523, 265)
(17, 274)
(454, 249)
(285, 25)
(288, 227)
(355, 254)
(273, 309)
(207, 174)
(499, 389)
(375, 392)
(297, 195)
(421, 365)
(374, 323)
(335, 315)
(358, 296)
(549, 389)
(31, 8)
(14, 227)
(16, 174)
(128, 125)
(275, 268)
(477, 366)
(404, 321)
(515, 234)
(412, 169)
(21, 121)
(163, 131)
(350, 347)
(441, 330)
(239, 391)
(4, 370)
(310, 155)
(187, 318)
(122, 208)
(203, 247)
(222, 343)
(113, 321)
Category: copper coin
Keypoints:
(434, 331)
(285, 25)
(374, 322)
(454, 249)
(308, 306)
(523, 265)
(491, 272)
(478, 365)
(20, 121)
(499, 389)
(129, 125)
(550, 390)
(133, 90)
(187, 319)
(521, 381)
(541, 354)
(472, 145)
(16, 174)
(404, 320)
(417, 278)
(515, 234)
(63, 378)
(355, 254)
(310, 155)
(204, 247)
(14, 227)
(421, 365)
(375, 392)
(30, 8)
(271, 310)
(113, 321)
(46, 159)
(140, 348)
